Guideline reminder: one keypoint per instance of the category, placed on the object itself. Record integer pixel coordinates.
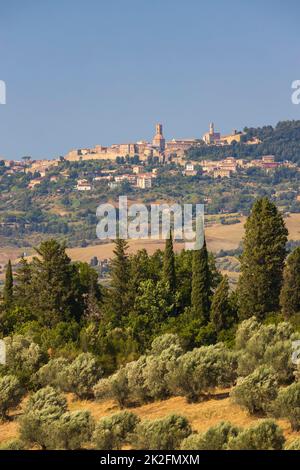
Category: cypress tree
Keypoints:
(262, 261)
(169, 273)
(290, 292)
(201, 288)
(22, 287)
(8, 285)
(221, 312)
(120, 280)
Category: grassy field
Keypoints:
(201, 415)
(218, 236)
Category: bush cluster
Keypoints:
(145, 379)
(224, 436)
(11, 393)
(78, 376)
(215, 438)
(114, 431)
(47, 423)
(267, 435)
(269, 345)
(166, 372)
(161, 434)
(257, 391)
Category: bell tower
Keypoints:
(159, 140)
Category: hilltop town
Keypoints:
(160, 151)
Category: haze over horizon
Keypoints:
(85, 73)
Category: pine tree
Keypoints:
(290, 292)
(120, 281)
(262, 261)
(201, 288)
(8, 286)
(54, 285)
(221, 312)
(169, 274)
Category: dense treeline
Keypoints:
(281, 141)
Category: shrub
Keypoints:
(142, 380)
(70, 431)
(114, 431)
(43, 408)
(245, 331)
(257, 391)
(53, 373)
(13, 444)
(265, 436)
(115, 386)
(215, 438)
(288, 405)
(139, 393)
(103, 389)
(162, 434)
(269, 345)
(168, 371)
(201, 370)
(82, 374)
(11, 393)
(279, 357)
(155, 377)
(23, 357)
(157, 369)
(294, 445)
(163, 342)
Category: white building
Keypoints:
(83, 185)
(144, 182)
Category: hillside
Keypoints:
(283, 141)
(201, 415)
(218, 237)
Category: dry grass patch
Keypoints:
(200, 415)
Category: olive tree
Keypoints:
(165, 342)
(201, 370)
(70, 431)
(43, 408)
(82, 374)
(162, 434)
(23, 357)
(139, 392)
(112, 432)
(245, 331)
(158, 366)
(115, 386)
(53, 373)
(269, 345)
(215, 438)
(257, 391)
(288, 405)
(11, 393)
(267, 435)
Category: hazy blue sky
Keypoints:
(80, 73)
